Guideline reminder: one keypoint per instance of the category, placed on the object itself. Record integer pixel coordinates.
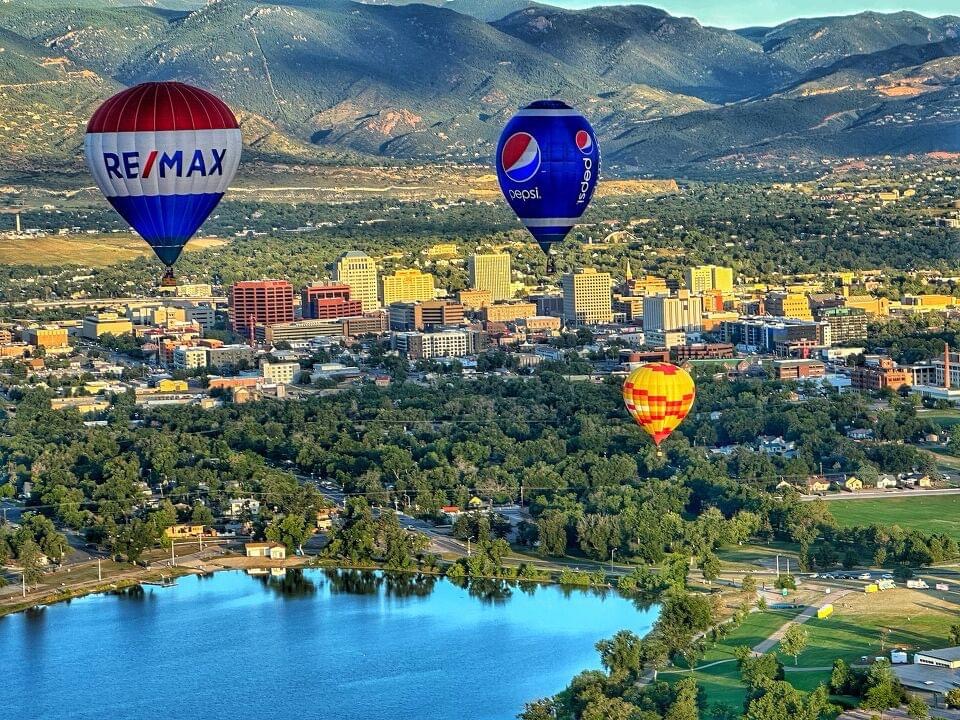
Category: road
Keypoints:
(886, 494)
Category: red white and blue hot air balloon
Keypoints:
(548, 162)
(163, 154)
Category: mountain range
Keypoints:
(336, 80)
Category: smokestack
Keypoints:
(946, 366)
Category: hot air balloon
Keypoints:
(548, 161)
(659, 396)
(163, 154)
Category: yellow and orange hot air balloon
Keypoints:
(659, 396)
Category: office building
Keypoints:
(282, 373)
(879, 375)
(407, 286)
(491, 273)
(541, 323)
(785, 337)
(875, 306)
(668, 339)
(203, 315)
(259, 301)
(233, 356)
(447, 343)
(703, 278)
(97, 324)
(682, 311)
(586, 298)
(474, 299)
(47, 336)
(328, 301)
(846, 323)
(549, 305)
(406, 317)
(359, 271)
(803, 369)
(701, 351)
(789, 305)
(186, 357)
(508, 312)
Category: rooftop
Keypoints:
(950, 654)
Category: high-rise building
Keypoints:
(709, 277)
(586, 297)
(424, 315)
(787, 304)
(359, 271)
(682, 311)
(846, 323)
(407, 286)
(328, 301)
(491, 272)
(260, 301)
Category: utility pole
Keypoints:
(173, 558)
(99, 571)
(23, 582)
(778, 565)
(521, 493)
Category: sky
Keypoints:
(744, 13)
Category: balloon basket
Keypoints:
(168, 280)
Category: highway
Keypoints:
(886, 494)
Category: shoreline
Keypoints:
(241, 562)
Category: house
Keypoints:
(187, 531)
(915, 480)
(777, 446)
(860, 434)
(851, 484)
(325, 518)
(240, 505)
(817, 484)
(886, 481)
(270, 550)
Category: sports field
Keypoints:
(936, 513)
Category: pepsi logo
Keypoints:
(520, 157)
(584, 141)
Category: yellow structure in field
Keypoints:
(825, 612)
(871, 588)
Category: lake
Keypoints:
(323, 644)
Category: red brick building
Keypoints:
(329, 302)
(260, 301)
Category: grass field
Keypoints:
(936, 513)
(943, 418)
(87, 250)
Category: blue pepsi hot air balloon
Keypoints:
(163, 154)
(548, 161)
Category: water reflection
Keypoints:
(290, 584)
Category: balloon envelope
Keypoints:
(548, 161)
(659, 396)
(163, 154)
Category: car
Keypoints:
(815, 575)
(886, 576)
(864, 576)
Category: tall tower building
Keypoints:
(407, 286)
(682, 311)
(359, 271)
(260, 301)
(703, 278)
(491, 273)
(586, 297)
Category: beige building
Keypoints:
(474, 299)
(491, 273)
(359, 271)
(189, 358)
(537, 323)
(284, 373)
(98, 324)
(788, 304)
(709, 277)
(682, 311)
(586, 297)
(47, 336)
(508, 312)
(407, 286)
(877, 306)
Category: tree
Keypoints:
(917, 709)
(710, 566)
(779, 700)
(759, 670)
(953, 698)
(883, 690)
(841, 677)
(955, 628)
(749, 584)
(543, 709)
(200, 514)
(794, 641)
(291, 530)
(621, 655)
(31, 562)
(685, 705)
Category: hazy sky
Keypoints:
(742, 13)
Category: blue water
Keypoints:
(325, 645)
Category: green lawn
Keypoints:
(936, 513)
(943, 418)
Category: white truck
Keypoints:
(917, 584)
